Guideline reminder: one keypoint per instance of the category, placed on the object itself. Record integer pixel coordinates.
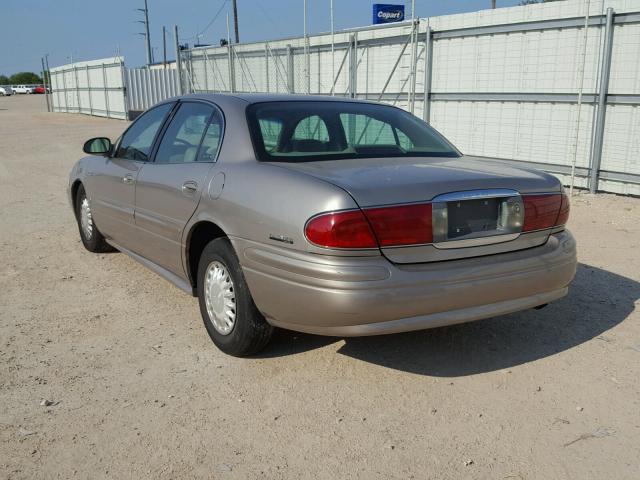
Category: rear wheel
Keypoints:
(231, 318)
(91, 237)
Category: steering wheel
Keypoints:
(183, 142)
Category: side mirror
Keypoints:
(98, 146)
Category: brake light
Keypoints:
(545, 211)
(348, 229)
(402, 224)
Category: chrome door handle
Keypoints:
(189, 187)
(128, 179)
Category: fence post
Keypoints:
(266, 63)
(353, 66)
(319, 70)
(598, 133)
(414, 65)
(89, 90)
(64, 86)
(206, 71)
(428, 64)
(44, 81)
(178, 59)
(125, 89)
(290, 83)
(232, 69)
(106, 93)
(75, 74)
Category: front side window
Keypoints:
(296, 131)
(182, 138)
(137, 141)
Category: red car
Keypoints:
(39, 89)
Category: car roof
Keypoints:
(251, 98)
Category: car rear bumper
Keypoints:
(352, 296)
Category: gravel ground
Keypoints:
(139, 391)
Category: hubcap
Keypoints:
(86, 221)
(220, 297)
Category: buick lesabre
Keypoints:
(322, 215)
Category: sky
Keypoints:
(92, 29)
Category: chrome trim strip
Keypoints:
(476, 194)
(476, 242)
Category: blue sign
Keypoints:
(385, 13)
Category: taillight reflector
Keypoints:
(402, 224)
(348, 229)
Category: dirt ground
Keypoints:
(139, 391)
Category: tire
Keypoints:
(91, 237)
(227, 291)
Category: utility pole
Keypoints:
(493, 4)
(235, 20)
(145, 11)
(164, 46)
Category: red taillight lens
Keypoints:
(402, 224)
(545, 211)
(563, 216)
(348, 229)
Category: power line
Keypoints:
(215, 17)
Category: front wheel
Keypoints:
(231, 318)
(91, 237)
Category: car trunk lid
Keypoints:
(477, 207)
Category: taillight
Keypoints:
(348, 229)
(563, 216)
(402, 224)
(545, 211)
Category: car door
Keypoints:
(168, 189)
(110, 181)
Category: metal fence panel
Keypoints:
(147, 87)
(95, 87)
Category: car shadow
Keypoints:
(597, 301)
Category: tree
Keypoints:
(24, 78)
(4, 80)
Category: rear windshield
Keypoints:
(299, 131)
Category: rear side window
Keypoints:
(137, 141)
(295, 131)
(182, 138)
(211, 140)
